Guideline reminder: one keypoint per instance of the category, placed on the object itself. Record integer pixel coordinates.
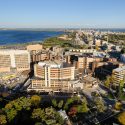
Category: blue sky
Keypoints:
(62, 13)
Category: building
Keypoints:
(83, 50)
(40, 56)
(34, 48)
(52, 75)
(14, 60)
(90, 81)
(84, 61)
(119, 74)
(98, 42)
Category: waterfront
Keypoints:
(8, 37)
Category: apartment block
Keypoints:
(14, 60)
(119, 74)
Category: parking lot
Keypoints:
(10, 80)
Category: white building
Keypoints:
(15, 60)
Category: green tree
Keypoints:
(100, 104)
(11, 114)
(83, 108)
(52, 116)
(3, 120)
(54, 102)
(60, 104)
(38, 114)
(112, 79)
(107, 82)
(39, 123)
(121, 83)
(49, 116)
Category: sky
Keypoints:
(62, 13)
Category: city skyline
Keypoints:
(62, 14)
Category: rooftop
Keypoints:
(10, 51)
(54, 64)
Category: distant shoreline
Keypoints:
(21, 37)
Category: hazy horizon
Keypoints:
(62, 14)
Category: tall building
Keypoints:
(86, 62)
(52, 75)
(34, 48)
(119, 74)
(40, 56)
(14, 60)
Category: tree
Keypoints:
(8, 106)
(49, 116)
(54, 102)
(96, 47)
(3, 120)
(39, 123)
(35, 100)
(59, 119)
(99, 104)
(122, 50)
(72, 112)
(122, 83)
(121, 118)
(118, 105)
(11, 114)
(69, 101)
(60, 104)
(83, 108)
(111, 79)
(38, 114)
(107, 82)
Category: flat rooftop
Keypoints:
(10, 51)
(55, 64)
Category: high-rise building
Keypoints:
(52, 75)
(119, 74)
(14, 60)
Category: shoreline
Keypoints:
(25, 43)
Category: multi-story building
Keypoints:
(83, 50)
(14, 60)
(40, 56)
(119, 74)
(84, 61)
(52, 75)
(34, 48)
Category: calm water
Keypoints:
(14, 37)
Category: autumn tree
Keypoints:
(118, 105)
(121, 118)
(3, 120)
(35, 100)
